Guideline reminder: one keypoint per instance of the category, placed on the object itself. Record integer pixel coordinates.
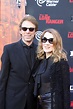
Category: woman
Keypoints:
(52, 79)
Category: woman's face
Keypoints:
(47, 42)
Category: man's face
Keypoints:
(27, 31)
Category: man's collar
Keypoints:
(24, 45)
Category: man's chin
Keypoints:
(28, 40)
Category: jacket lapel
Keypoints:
(22, 55)
(33, 56)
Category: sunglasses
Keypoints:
(44, 40)
(30, 29)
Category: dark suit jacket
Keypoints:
(16, 87)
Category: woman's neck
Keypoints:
(48, 55)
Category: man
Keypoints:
(16, 82)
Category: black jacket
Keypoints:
(16, 87)
(60, 84)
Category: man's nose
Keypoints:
(27, 30)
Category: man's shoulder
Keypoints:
(11, 44)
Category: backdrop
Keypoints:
(11, 13)
(56, 14)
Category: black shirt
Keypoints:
(44, 69)
(28, 50)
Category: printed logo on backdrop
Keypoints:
(48, 19)
(71, 53)
(71, 1)
(71, 69)
(37, 35)
(71, 18)
(71, 88)
(70, 34)
(71, 104)
(48, 2)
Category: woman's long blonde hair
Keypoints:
(59, 52)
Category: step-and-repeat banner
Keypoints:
(56, 14)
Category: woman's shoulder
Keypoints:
(62, 64)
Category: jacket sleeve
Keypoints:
(3, 76)
(66, 83)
